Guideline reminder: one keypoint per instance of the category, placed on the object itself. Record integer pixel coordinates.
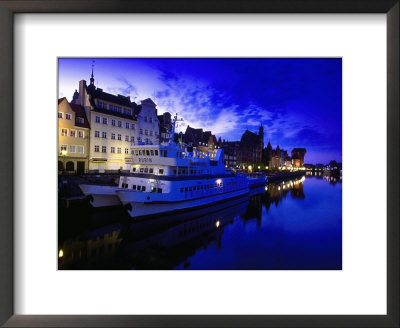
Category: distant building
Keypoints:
(73, 138)
(231, 150)
(203, 141)
(298, 157)
(251, 148)
(165, 127)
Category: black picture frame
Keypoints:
(10, 7)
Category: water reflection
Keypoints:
(214, 237)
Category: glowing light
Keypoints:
(63, 152)
(259, 167)
(217, 224)
(250, 167)
(279, 188)
(219, 181)
(266, 188)
(60, 253)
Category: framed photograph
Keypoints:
(210, 164)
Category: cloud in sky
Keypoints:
(297, 100)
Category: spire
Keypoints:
(92, 77)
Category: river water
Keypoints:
(290, 225)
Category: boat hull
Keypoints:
(151, 209)
(101, 196)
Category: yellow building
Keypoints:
(73, 138)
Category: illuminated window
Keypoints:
(63, 148)
(64, 132)
(72, 133)
(81, 134)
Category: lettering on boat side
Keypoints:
(144, 160)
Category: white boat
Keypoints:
(101, 196)
(175, 177)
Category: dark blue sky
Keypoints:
(298, 100)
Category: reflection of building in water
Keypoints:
(94, 248)
(275, 192)
(254, 209)
(174, 245)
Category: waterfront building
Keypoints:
(298, 157)
(116, 123)
(203, 141)
(73, 138)
(165, 126)
(231, 150)
(251, 147)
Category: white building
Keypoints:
(116, 123)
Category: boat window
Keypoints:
(181, 189)
(140, 153)
(159, 190)
(146, 170)
(165, 153)
(152, 152)
(143, 188)
(134, 169)
(150, 170)
(136, 152)
(156, 152)
(161, 171)
(134, 187)
(141, 170)
(175, 172)
(186, 189)
(153, 189)
(147, 152)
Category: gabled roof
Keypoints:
(250, 138)
(61, 99)
(100, 94)
(149, 101)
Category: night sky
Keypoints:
(298, 100)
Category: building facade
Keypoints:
(251, 149)
(73, 138)
(116, 123)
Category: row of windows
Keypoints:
(61, 115)
(148, 170)
(72, 149)
(112, 149)
(150, 119)
(147, 132)
(119, 136)
(201, 187)
(113, 108)
(104, 120)
(72, 133)
(68, 117)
